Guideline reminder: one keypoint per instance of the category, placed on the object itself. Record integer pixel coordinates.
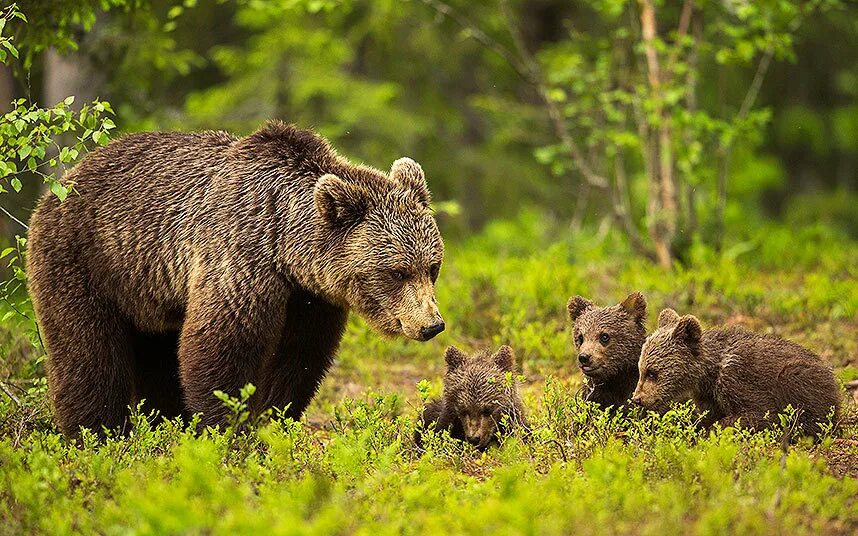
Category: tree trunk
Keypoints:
(71, 74)
(662, 203)
(7, 88)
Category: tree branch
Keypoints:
(622, 208)
(682, 31)
(16, 220)
(561, 130)
(648, 34)
(483, 38)
(9, 393)
(756, 84)
(526, 67)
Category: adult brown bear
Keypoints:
(187, 263)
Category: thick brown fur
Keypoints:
(608, 341)
(734, 375)
(478, 399)
(185, 263)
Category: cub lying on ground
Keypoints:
(479, 401)
(609, 341)
(734, 374)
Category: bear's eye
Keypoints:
(487, 411)
(579, 340)
(398, 275)
(604, 338)
(651, 375)
(433, 272)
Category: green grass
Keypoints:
(349, 466)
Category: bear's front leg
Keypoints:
(310, 337)
(227, 333)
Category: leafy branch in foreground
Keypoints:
(38, 142)
(30, 140)
(32, 137)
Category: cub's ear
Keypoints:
(688, 330)
(408, 173)
(454, 358)
(635, 305)
(667, 317)
(577, 305)
(504, 358)
(340, 203)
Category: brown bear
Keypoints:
(734, 375)
(609, 341)
(184, 263)
(479, 399)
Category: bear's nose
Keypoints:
(636, 400)
(474, 440)
(430, 331)
(584, 359)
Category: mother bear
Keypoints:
(184, 263)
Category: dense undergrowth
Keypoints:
(350, 466)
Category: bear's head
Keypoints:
(608, 339)
(384, 248)
(670, 362)
(478, 390)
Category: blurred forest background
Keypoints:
(675, 122)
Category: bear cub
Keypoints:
(609, 341)
(479, 401)
(734, 374)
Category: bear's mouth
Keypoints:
(591, 370)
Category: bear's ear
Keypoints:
(340, 203)
(577, 305)
(635, 305)
(688, 330)
(454, 358)
(667, 317)
(408, 173)
(504, 358)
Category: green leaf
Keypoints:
(10, 47)
(59, 190)
(16, 184)
(68, 100)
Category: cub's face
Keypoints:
(608, 340)
(391, 251)
(476, 390)
(668, 361)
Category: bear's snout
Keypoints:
(430, 331)
(421, 320)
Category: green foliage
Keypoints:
(651, 475)
(28, 132)
(42, 25)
